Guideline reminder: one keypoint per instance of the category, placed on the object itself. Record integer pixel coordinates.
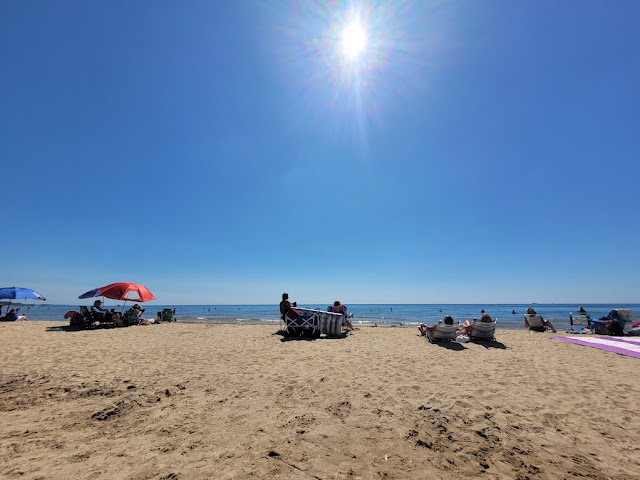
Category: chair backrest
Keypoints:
(624, 314)
(534, 320)
(444, 331)
(131, 316)
(578, 320)
(85, 311)
(167, 315)
(483, 330)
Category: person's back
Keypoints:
(338, 309)
(285, 306)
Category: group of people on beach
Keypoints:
(337, 307)
(542, 325)
(465, 327)
(133, 316)
(12, 315)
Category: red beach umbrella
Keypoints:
(127, 291)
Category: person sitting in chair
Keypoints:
(11, 316)
(99, 313)
(339, 308)
(546, 325)
(448, 320)
(133, 316)
(285, 306)
(484, 318)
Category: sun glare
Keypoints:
(354, 41)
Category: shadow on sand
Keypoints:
(304, 336)
(69, 328)
(448, 345)
(490, 344)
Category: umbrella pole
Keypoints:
(125, 302)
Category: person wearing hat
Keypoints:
(100, 314)
(97, 308)
(133, 316)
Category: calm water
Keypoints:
(364, 314)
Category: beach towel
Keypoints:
(620, 345)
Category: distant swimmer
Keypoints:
(513, 312)
(440, 310)
(392, 309)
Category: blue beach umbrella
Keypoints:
(19, 293)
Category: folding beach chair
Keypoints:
(330, 323)
(442, 333)
(483, 330)
(301, 320)
(130, 317)
(535, 322)
(579, 323)
(168, 315)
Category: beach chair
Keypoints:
(302, 321)
(80, 319)
(130, 317)
(535, 322)
(442, 333)
(579, 323)
(168, 315)
(483, 330)
(331, 324)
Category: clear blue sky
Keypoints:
(224, 152)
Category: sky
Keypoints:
(226, 152)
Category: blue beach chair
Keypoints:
(579, 323)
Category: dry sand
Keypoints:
(182, 401)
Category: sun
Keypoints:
(354, 41)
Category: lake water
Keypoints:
(401, 315)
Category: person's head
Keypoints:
(448, 320)
(581, 309)
(137, 307)
(285, 296)
(97, 303)
(336, 303)
(531, 311)
(482, 311)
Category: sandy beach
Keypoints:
(182, 401)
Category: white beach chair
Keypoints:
(330, 323)
(483, 330)
(442, 333)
